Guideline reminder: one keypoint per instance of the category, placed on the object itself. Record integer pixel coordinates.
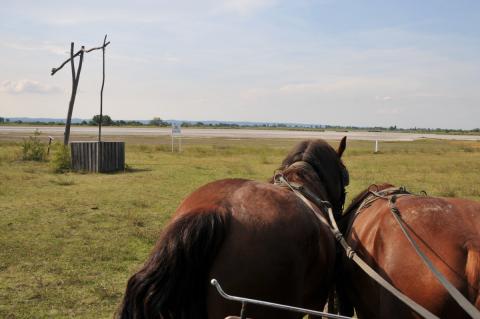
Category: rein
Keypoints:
(303, 192)
(454, 293)
(299, 190)
(321, 208)
(391, 195)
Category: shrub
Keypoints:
(62, 160)
(33, 149)
(63, 180)
(468, 149)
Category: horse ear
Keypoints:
(343, 145)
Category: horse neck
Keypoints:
(355, 203)
(349, 213)
(344, 220)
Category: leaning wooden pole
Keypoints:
(75, 80)
(66, 135)
(101, 91)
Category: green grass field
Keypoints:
(70, 241)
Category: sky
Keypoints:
(335, 62)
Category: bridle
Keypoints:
(280, 179)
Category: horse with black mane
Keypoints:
(258, 239)
(445, 230)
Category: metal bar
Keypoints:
(243, 311)
(222, 293)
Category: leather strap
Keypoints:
(374, 275)
(298, 190)
(456, 295)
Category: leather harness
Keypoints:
(323, 209)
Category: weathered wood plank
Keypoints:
(98, 156)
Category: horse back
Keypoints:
(275, 249)
(445, 229)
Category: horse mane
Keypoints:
(325, 162)
(307, 151)
(303, 151)
(358, 200)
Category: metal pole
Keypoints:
(215, 283)
(243, 312)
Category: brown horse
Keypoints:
(258, 240)
(447, 230)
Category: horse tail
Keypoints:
(173, 281)
(472, 271)
(343, 303)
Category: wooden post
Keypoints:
(50, 138)
(75, 80)
(101, 91)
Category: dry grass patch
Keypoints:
(70, 241)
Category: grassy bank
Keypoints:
(70, 241)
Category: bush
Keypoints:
(33, 149)
(62, 160)
(106, 120)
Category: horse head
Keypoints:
(316, 165)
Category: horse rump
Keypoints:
(173, 281)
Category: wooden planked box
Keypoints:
(98, 157)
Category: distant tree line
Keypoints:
(107, 121)
(159, 122)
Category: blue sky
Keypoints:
(366, 63)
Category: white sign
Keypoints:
(177, 134)
(176, 130)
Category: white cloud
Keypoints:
(28, 87)
(130, 59)
(245, 7)
(389, 111)
(170, 59)
(343, 84)
(44, 46)
(383, 98)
